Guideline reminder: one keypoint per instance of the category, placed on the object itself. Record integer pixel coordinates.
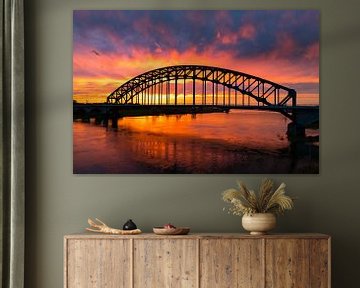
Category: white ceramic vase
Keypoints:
(259, 223)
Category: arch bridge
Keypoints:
(202, 85)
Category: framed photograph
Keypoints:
(191, 91)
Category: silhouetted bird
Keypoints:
(96, 53)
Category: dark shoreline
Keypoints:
(88, 111)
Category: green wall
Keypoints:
(59, 202)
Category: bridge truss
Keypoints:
(201, 85)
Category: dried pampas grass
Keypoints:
(267, 200)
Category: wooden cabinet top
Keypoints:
(199, 236)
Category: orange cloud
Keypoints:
(95, 76)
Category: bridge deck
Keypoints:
(249, 107)
(305, 116)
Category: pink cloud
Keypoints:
(247, 31)
(143, 25)
(312, 52)
(227, 38)
(285, 45)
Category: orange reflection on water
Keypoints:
(237, 142)
(254, 129)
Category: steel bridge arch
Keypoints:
(263, 91)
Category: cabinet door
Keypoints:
(165, 263)
(231, 263)
(287, 263)
(98, 263)
(320, 263)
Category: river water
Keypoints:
(241, 141)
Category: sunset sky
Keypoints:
(111, 47)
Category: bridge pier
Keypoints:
(295, 130)
(99, 119)
(106, 121)
(114, 122)
(114, 118)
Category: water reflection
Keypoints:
(240, 142)
(257, 129)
